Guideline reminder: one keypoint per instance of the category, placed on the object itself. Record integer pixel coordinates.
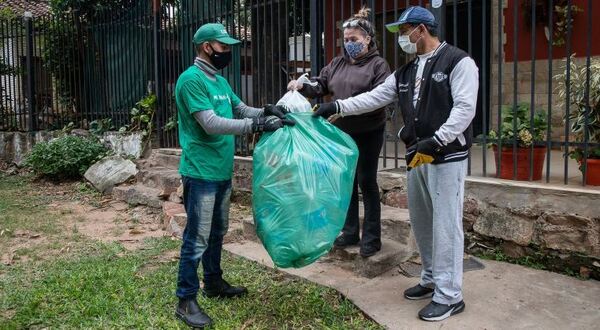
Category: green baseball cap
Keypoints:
(213, 31)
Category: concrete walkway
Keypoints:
(502, 296)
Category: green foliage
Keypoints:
(90, 8)
(68, 128)
(562, 22)
(537, 261)
(6, 69)
(584, 120)
(100, 126)
(8, 122)
(171, 123)
(142, 116)
(525, 134)
(65, 157)
(6, 13)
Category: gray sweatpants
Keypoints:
(435, 204)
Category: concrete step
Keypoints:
(395, 223)
(391, 255)
(169, 151)
(165, 158)
(162, 178)
(249, 229)
(138, 195)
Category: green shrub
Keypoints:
(65, 157)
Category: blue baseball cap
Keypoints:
(413, 15)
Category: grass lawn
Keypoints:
(52, 276)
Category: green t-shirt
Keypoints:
(204, 156)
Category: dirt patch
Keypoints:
(21, 242)
(156, 261)
(114, 222)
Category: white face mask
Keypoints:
(405, 43)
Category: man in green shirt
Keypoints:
(206, 108)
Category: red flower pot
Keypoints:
(592, 173)
(523, 163)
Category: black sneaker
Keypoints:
(344, 241)
(438, 312)
(222, 289)
(368, 250)
(189, 312)
(418, 292)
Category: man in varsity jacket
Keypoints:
(437, 95)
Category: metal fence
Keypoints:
(538, 69)
(74, 67)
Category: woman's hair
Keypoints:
(361, 21)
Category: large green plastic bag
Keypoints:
(302, 185)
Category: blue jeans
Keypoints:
(207, 207)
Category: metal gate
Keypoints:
(536, 61)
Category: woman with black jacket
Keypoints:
(358, 70)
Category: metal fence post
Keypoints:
(316, 31)
(28, 17)
(158, 84)
(438, 8)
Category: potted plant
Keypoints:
(584, 120)
(525, 136)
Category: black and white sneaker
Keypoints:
(418, 292)
(437, 312)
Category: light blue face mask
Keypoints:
(354, 48)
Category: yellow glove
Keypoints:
(420, 159)
(425, 152)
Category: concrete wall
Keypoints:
(522, 219)
(14, 146)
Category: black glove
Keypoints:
(278, 111)
(425, 151)
(410, 154)
(269, 124)
(327, 110)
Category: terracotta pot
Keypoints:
(523, 163)
(592, 173)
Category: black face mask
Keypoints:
(219, 59)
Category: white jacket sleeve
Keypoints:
(377, 98)
(464, 83)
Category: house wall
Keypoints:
(545, 70)
(12, 96)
